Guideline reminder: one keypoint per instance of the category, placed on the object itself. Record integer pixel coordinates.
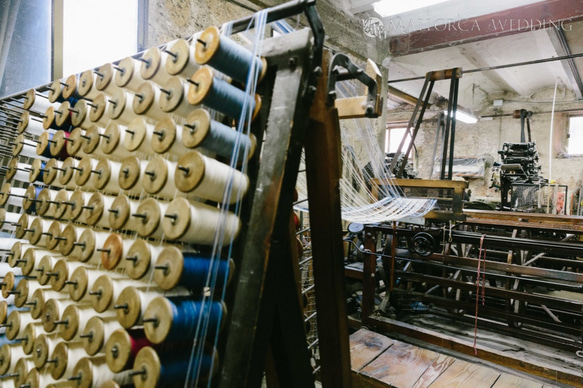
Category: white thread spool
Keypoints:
(45, 266)
(93, 242)
(112, 142)
(18, 171)
(66, 176)
(199, 225)
(181, 62)
(87, 87)
(114, 251)
(146, 102)
(174, 98)
(96, 213)
(94, 372)
(40, 297)
(64, 358)
(154, 66)
(26, 148)
(121, 107)
(30, 124)
(55, 231)
(97, 113)
(141, 259)
(91, 146)
(25, 289)
(96, 333)
(131, 174)
(36, 379)
(7, 219)
(139, 136)
(106, 176)
(16, 321)
(48, 203)
(31, 258)
(120, 217)
(12, 196)
(9, 354)
(81, 281)
(77, 317)
(104, 81)
(23, 225)
(31, 331)
(50, 174)
(36, 102)
(44, 345)
(69, 237)
(76, 142)
(18, 248)
(39, 237)
(159, 179)
(63, 270)
(80, 115)
(128, 76)
(208, 178)
(86, 165)
(70, 88)
(5, 267)
(168, 138)
(131, 304)
(150, 214)
(106, 291)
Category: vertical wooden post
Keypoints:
(323, 169)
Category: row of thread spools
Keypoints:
(104, 287)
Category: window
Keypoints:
(575, 144)
(393, 137)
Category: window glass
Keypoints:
(575, 146)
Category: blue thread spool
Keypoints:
(201, 131)
(175, 268)
(38, 170)
(170, 369)
(168, 319)
(220, 95)
(228, 57)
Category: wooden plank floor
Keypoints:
(381, 362)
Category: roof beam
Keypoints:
(544, 14)
(561, 45)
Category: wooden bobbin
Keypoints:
(40, 297)
(131, 174)
(51, 173)
(30, 259)
(174, 98)
(97, 332)
(120, 215)
(94, 372)
(199, 224)
(24, 291)
(86, 86)
(106, 178)
(146, 102)
(17, 171)
(114, 251)
(74, 147)
(168, 138)
(80, 115)
(25, 148)
(64, 358)
(63, 270)
(44, 345)
(30, 124)
(38, 379)
(119, 350)
(25, 220)
(113, 140)
(160, 179)
(74, 211)
(21, 369)
(55, 231)
(36, 173)
(208, 178)
(131, 304)
(86, 165)
(151, 211)
(49, 118)
(35, 102)
(58, 148)
(52, 312)
(96, 213)
(9, 354)
(106, 291)
(56, 91)
(43, 145)
(47, 205)
(70, 87)
(139, 136)
(63, 115)
(29, 334)
(16, 252)
(140, 259)
(45, 267)
(121, 107)
(16, 321)
(40, 229)
(182, 63)
(89, 243)
(93, 141)
(74, 319)
(97, 113)
(128, 76)
(66, 176)
(153, 67)
(4, 310)
(6, 191)
(7, 219)
(104, 79)
(81, 281)
(147, 360)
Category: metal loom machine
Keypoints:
(147, 243)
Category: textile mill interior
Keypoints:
(304, 193)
